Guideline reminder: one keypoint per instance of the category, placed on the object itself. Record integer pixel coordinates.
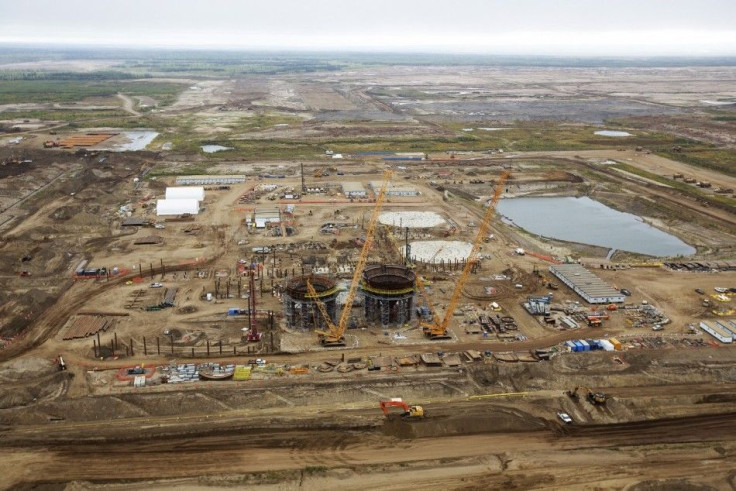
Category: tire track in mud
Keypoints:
(53, 319)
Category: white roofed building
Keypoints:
(177, 207)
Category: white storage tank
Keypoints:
(185, 192)
(177, 207)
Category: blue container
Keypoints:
(570, 345)
(578, 345)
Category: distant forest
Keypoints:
(138, 61)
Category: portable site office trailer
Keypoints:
(721, 335)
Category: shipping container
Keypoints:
(570, 345)
(586, 346)
(616, 344)
(606, 345)
(578, 345)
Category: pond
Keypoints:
(214, 148)
(587, 221)
(612, 133)
(137, 140)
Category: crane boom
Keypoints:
(336, 335)
(440, 330)
(322, 310)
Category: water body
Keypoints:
(139, 140)
(214, 148)
(587, 221)
(612, 133)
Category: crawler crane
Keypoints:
(335, 335)
(438, 329)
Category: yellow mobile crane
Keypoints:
(438, 330)
(335, 336)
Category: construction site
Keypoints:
(181, 319)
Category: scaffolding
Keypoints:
(388, 292)
(301, 310)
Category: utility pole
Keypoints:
(304, 186)
(407, 254)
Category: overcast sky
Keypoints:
(557, 27)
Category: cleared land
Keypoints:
(309, 416)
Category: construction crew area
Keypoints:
(393, 317)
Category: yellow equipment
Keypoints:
(597, 398)
(439, 330)
(409, 411)
(336, 334)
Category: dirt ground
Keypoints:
(310, 417)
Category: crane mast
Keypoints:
(439, 330)
(336, 334)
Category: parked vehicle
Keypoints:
(156, 285)
(564, 417)
(626, 292)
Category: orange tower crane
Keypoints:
(335, 336)
(438, 330)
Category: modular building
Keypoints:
(722, 335)
(590, 287)
(353, 189)
(395, 189)
(204, 180)
(185, 192)
(177, 207)
(262, 216)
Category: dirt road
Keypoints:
(128, 104)
(697, 448)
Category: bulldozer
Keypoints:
(595, 398)
(410, 412)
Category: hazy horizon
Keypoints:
(626, 28)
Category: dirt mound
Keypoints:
(667, 484)
(64, 213)
(187, 309)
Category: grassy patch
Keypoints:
(524, 136)
(717, 159)
(264, 121)
(66, 91)
(689, 189)
(189, 170)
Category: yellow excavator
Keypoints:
(410, 412)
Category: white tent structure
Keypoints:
(185, 192)
(177, 207)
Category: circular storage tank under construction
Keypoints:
(389, 293)
(300, 308)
